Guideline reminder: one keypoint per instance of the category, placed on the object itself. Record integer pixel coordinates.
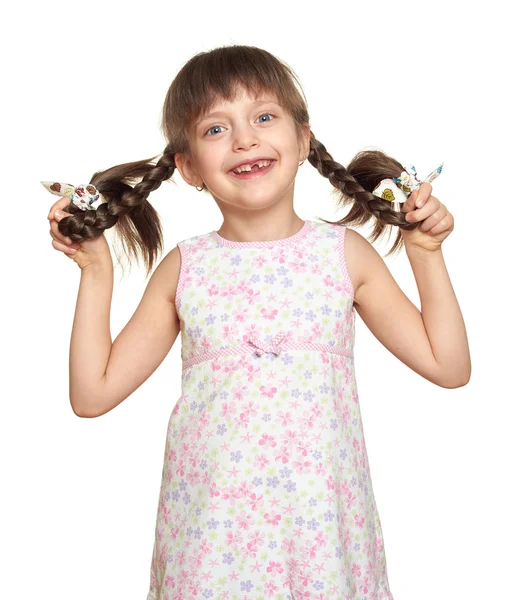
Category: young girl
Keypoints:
(266, 489)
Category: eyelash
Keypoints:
(261, 115)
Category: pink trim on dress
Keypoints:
(296, 237)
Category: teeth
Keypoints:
(260, 163)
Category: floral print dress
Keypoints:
(266, 488)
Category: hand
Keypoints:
(436, 222)
(85, 253)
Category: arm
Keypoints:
(433, 342)
(103, 374)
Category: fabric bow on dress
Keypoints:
(85, 196)
(273, 346)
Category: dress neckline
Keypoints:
(263, 243)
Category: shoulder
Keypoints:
(167, 273)
(362, 261)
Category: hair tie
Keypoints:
(399, 188)
(85, 196)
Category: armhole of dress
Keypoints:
(182, 275)
(343, 264)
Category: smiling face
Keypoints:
(245, 129)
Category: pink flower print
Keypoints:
(255, 500)
(307, 338)
(272, 519)
(356, 570)
(316, 269)
(165, 513)
(299, 266)
(234, 539)
(359, 520)
(284, 419)
(304, 447)
(239, 390)
(212, 290)
(268, 441)
(289, 437)
(320, 469)
(256, 538)
(330, 482)
(196, 561)
(215, 364)
(231, 364)
(308, 420)
(250, 409)
(180, 468)
(245, 521)
(230, 331)
(213, 490)
(269, 313)
(242, 420)
(328, 281)
(240, 314)
(228, 408)
(249, 551)
(288, 545)
(304, 579)
(365, 586)
(193, 478)
(279, 255)
(267, 391)
(229, 290)
(282, 454)
(270, 589)
(194, 588)
(258, 261)
(320, 539)
(261, 462)
(275, 568)
(205, 343)
(251, 372)
(317, 331)
(309, 550)
(231, 493)
(355, 444)
(302, 466)
(251, 296)
(244, 488)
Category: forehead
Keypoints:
(220, 105)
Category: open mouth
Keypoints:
(254, 173)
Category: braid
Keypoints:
(355, 184)
(126, 207)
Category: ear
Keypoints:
(306, 140)
(185, 166)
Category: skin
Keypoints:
(258, 209)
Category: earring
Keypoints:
(199, 189)
(302, 162)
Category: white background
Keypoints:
(84, 84)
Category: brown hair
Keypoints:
(204, 79)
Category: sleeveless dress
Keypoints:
(266, 488)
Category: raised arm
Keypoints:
(103, 374)
(432, 344)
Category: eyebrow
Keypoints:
(221, 112)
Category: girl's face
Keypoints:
(244, 130)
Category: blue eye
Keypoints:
(262, 115)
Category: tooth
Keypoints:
(248, 167)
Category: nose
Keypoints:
(245, 136)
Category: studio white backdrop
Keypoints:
(84, 84)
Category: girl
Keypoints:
(266, 489)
